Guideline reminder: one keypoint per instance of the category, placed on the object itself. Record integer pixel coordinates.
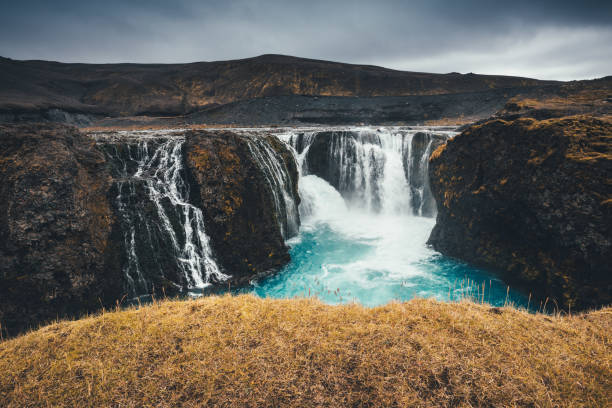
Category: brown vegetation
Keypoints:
(571, 98)
(246, 351)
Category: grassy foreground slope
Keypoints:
(246, 351)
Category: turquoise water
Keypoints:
(343, 254)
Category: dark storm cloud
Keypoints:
(546, 39)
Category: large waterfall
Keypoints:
(163, 234)
(365, 213)
(380, 170)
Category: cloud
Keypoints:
(546, 39)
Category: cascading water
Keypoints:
(366, 212)
(382, 170)
(280, 183)
(164, 238)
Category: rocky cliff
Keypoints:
(533, 200)
(57, 255)
(237, 192)
(84, 221)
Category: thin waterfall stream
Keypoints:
(163, 233)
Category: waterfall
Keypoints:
(366, 211)
(163, 234)
(281, 185)
(381, 170)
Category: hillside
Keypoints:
(246, 351)
(172, 89)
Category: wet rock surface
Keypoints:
(165, 248)
(416, 172)
(533, 200)
(57, 252)
(237, 201)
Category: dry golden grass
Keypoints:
(246, 351)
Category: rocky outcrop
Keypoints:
(533, 200)
(235, 191)
(570, 98)
(57, 255)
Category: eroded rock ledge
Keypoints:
(532, 199)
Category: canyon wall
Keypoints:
(247, 186)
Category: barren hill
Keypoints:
(170, 89)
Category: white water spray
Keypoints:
(378, 170)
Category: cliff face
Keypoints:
(242, 219)
(533, 200)
(56, 252)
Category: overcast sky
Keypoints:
(541, 39)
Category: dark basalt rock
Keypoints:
(149, 260)
(57, 252)
(237, 202)
(533, 200)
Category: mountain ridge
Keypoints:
(129, 89)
